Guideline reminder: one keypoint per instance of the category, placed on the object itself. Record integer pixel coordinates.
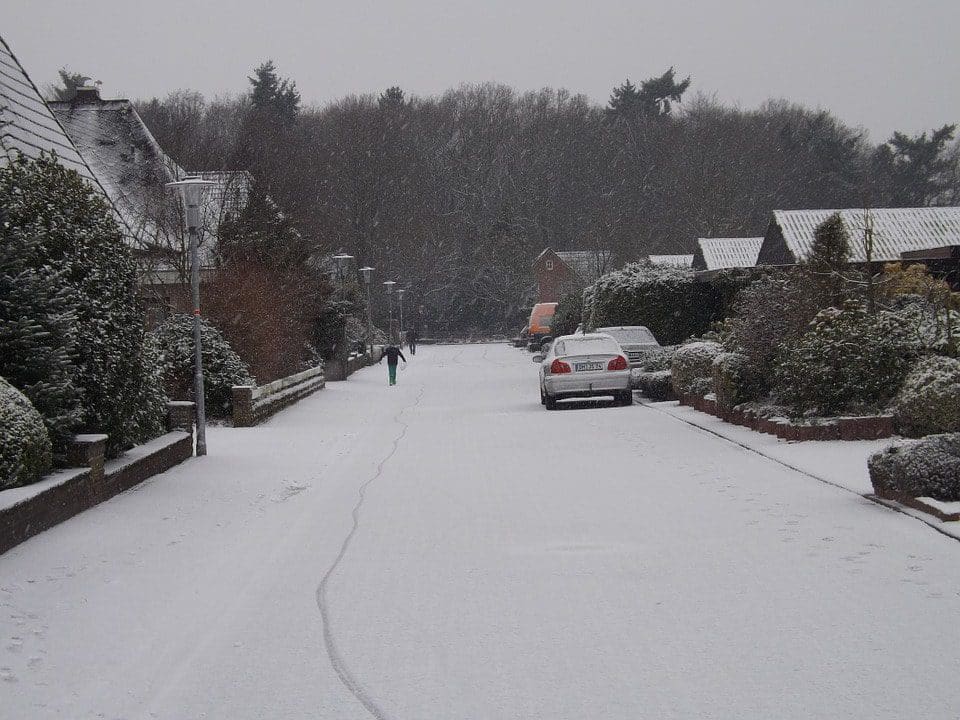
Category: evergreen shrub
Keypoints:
(735, 380)
(94, 375)
(657, 385)
(222, 367)
(849, 361)
(25, 448)
(929, 400)
(692, 367)
(929, 467)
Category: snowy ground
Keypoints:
(506, 562)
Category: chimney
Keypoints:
(86, 94)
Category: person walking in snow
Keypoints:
(392, 354)
(412, 340)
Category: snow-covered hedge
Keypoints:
(929, 401)
(692, 367)
(849, 361)
(90, 373)
(919, 468)
(25, 450)
(735, 380)
(665, 299)
(222, 367)
(656, 385)
(655, 359)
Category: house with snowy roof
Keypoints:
(134, 171)
(681, 261)
(559, 273)
(27, 125)
(725, 253)
(895, 231)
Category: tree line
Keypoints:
(455, 195)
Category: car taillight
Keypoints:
(618, 363)
(558, 367)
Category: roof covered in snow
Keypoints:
(588, 265)
(26, 123)
(722, 253)
(671, 260)
(126, 158)
(895, 230)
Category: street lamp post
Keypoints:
(389, 285)
(190, 191)
(400, 292)
(343, 260)
(367, 272)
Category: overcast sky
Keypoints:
(876, 64)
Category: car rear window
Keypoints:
(588, 346)
(632, 336)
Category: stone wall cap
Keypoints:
(181, 403)
(90, 438)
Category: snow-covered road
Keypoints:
(501, 562)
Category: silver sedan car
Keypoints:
(579, 366)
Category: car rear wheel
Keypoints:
(543, 398)
(625, 397)
(550, 402)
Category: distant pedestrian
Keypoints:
(412, 340)
(392, 354)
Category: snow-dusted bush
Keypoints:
(929, 401)
(772, 311)
(919, 468)
(222, 367)
(38, 333)
(692, 367)
(655, 359)
(73, 240)
(735, 379)
(849, 361)
(25, 449)
(656, 385)
(668, 300)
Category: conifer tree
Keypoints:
(72, 238)
(828, 258)
(271, 93)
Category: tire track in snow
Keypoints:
(333, 653)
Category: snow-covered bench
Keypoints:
(253, 405)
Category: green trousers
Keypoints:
(393, 373)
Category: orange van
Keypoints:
(541, 317)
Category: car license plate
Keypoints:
(579, 367)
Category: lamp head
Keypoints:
(191, 189)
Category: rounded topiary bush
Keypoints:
(692, 367)
(657, 385)
(849, 361)
(222, 367)
(735, 380)
(929, 400)
(929, 467)
(25, 449)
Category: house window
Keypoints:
(549, 264)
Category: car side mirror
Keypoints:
(537, 358)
